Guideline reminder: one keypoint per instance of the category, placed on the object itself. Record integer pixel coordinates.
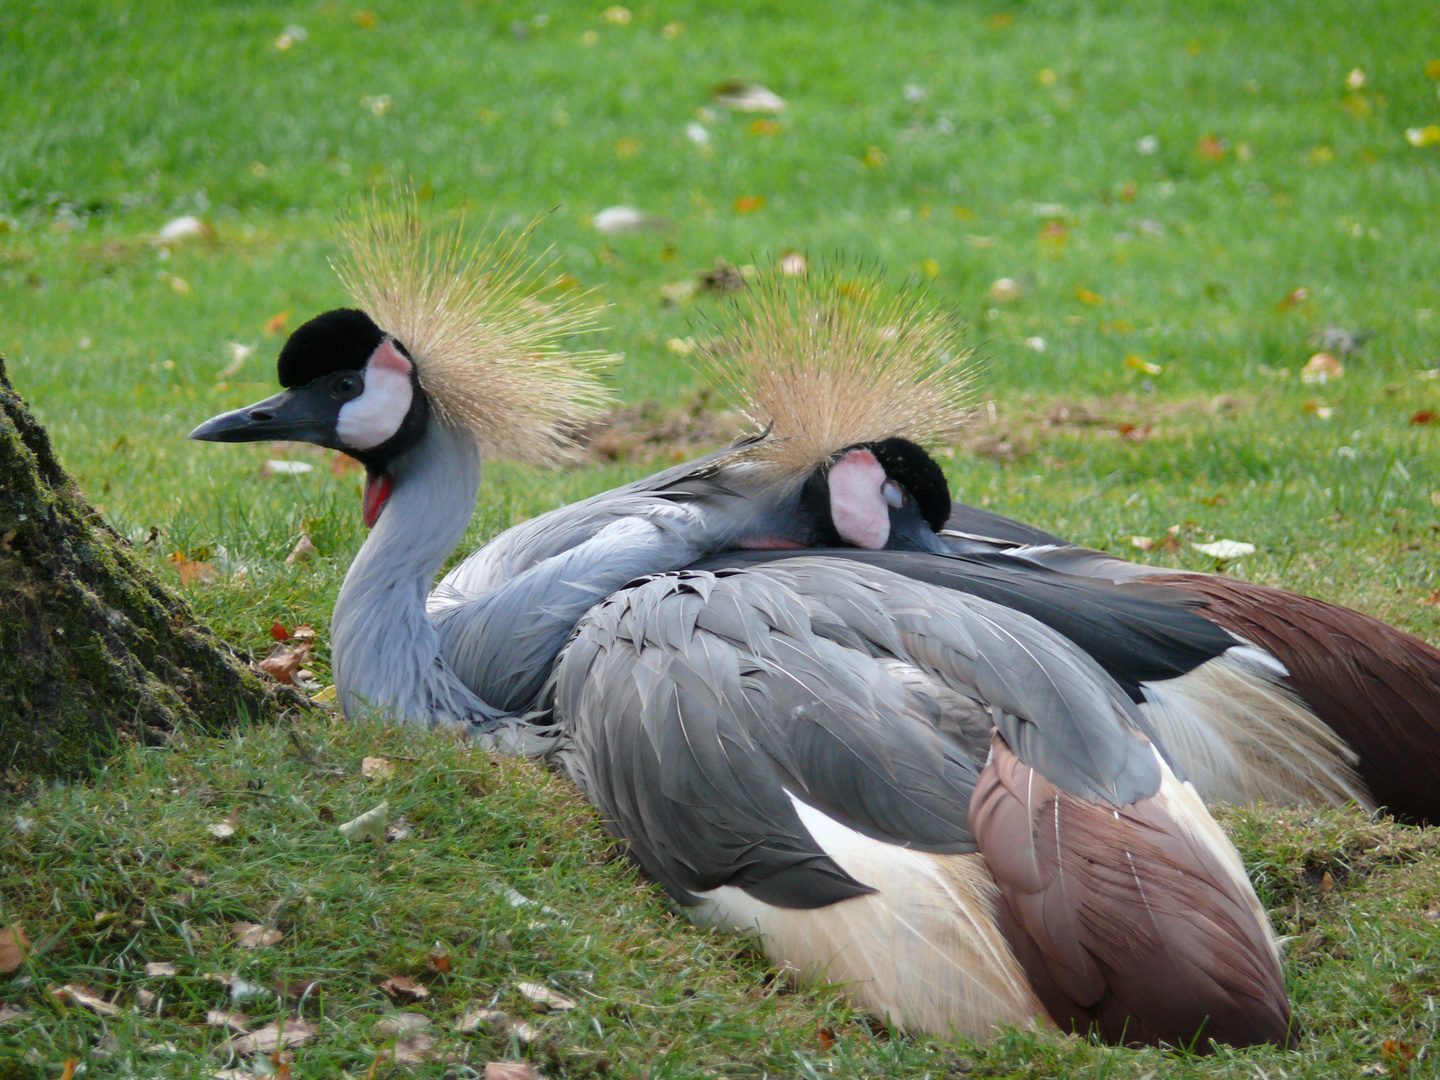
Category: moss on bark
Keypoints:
(94, 649)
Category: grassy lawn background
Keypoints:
(1161, 180)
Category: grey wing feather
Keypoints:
(696, 705)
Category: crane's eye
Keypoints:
(893, 494)
(347, 386)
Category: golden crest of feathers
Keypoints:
(831, 358)
(485, 334)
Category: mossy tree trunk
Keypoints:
(94, 649)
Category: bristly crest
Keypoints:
(487, 349)
(832, 358)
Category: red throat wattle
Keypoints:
(377, 494)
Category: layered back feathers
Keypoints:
(487, 347)
(832, 358)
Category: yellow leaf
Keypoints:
(1047, 77)
(626, 148)
(761, 126)
(932, 268)
(876, 158)
(1137, 363)
(748, 204)
(1320, 155)
(1085, 296)
(1432, 69)
(365, 19)
(1417, 137)
(1321, 368)
(617, 15)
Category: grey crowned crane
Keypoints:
(1257, 693)
(929, 797)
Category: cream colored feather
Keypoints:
(487, 347)
(833, 358)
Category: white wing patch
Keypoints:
(923, 950)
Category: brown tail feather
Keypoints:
(1378, 688)
(1129, 921)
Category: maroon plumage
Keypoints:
(1378, 688)
(1124, 920)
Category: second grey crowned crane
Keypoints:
(935, 800)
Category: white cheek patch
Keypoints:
(377, 413)
(857, 505)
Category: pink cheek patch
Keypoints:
(857, 508)
(388, 358)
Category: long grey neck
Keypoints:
(384, 650)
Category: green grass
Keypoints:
(958, 144)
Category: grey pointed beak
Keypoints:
(300, 414)
(910, 532)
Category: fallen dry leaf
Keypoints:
(237, 1022)
(368, 826)
(221, 830)
(438, 960)
(240, 989)
(161, 971)
(413, 1049)
(376, 768)
(295, 990)
(741, 96)
(793, 264)
(84, 996)
(278, 631)
(249, 935)
(1225, 549)
(184, 228)
(624, 219)
(1321, 368)
(510, 1070)
(193, 571)
(827, 1038)
(284, 467)
(1005, 290)
(1139, 363)
(1144, 543)
(1424, 416)
(291, 1031)
(276, 323)
(1433, 600)
(1319, 410)
(1085, 296)
(68, 1072)
(13, 947)
(543, 996)
(477, 1015)
(403, 985)
(1211, 147)
(1293, 298)
(748, 204)
(284, 662)
(402, 1023)
(146, 1000)
(301, 552)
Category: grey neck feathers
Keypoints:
(384, 650)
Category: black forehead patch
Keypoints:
(339, 340)
(918, 473)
